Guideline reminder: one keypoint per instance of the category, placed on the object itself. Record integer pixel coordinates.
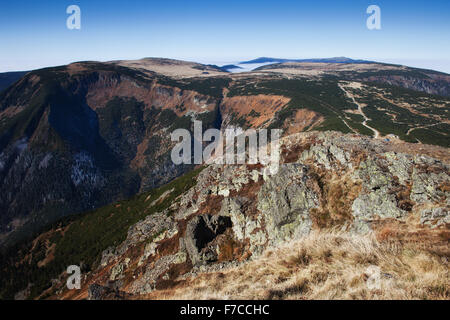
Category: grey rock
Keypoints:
(285, 201)
(435, 217)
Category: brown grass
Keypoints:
(336, 195)
(325, 265)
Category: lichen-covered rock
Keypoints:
(107, 256)
(376, 200)
(108, 292)
(147, 282)
(427, 178)
(117, 270)
(400, 166)
(244, 226)
(96, 291)
(376, 204)
(435, 217)
(284, 201)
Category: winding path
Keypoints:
(423, 127)
(361, 112)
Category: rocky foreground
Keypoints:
(343, 202)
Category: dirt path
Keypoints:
(422, 127)
(361, 112)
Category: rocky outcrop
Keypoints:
(201, 233)
(285, 201)
(234, 213)
(98, 292)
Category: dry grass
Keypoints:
(326, 265)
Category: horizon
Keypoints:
(35, 35)
(238, 62)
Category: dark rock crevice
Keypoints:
(200, 232)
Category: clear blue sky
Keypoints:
(33, 34)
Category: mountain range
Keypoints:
(324, 60)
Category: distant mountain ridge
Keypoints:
(8, 78)
(320, 60)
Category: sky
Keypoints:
(33, 34)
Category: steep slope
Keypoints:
(168, 240)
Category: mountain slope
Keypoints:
(217, 218)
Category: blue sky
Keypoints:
(33, 34)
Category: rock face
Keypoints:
(234, 213)
(285, 201)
